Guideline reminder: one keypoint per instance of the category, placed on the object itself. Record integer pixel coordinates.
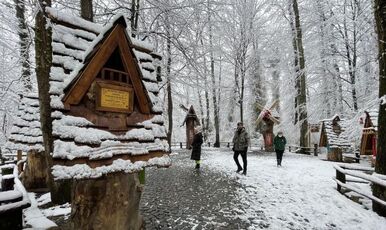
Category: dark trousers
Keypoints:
(279, 156)
(243, 156)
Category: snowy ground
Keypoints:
(299, 195)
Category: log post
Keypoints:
(19, 158)
(108, 202)
(228, 145)
(340, 177)
(180, 145)
(316, 150)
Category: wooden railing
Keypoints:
(13, 198)
(346, 173)
(307, 150)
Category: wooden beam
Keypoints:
(134, 72)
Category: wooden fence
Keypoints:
(347, 173)
(13, 197)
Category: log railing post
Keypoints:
(316, 150)
(19, 158)
(340, 177)
(180, 145)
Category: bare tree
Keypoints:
(24, 44)
(86, 10)
(43, 56)
(300, 78)
(380, 165)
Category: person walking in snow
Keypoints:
(240, 147)
(279, 142)
(196, 146)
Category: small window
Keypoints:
(115, 75)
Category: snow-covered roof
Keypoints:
(80, 142)
(373, 116)
(333, 129)
(26, 134)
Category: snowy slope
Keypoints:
(299, 195)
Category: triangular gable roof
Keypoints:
(116, 37)
(191, 114)
(329, 136)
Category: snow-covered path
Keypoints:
(299, 195)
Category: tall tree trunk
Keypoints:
(134, 17)
(351, 58)
(214, 94)
(301, 78)
(86, 10)
(380, 164)
(169, 86)
(296, 62)
(325, 64)
(43, 50)
(24, 44)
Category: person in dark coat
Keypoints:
(240, 147)
(279, 142)
(196, 146)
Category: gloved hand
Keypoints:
(233, 148)
(245, 149)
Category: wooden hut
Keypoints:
(191, 121)
(108, 122)
(26, 136)
(331, 138)
(369, 133)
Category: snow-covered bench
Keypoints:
(358, 174)
(13, 198)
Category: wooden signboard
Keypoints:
(114, 98)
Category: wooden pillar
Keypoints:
(109, 202)
(316, 150)
(189, 132)
(19, 158)
(268, 135)
(340, 177)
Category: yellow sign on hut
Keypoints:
(114, 98)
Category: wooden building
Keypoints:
(104, 94)
(191, 120)
(26, 136)
(107, 118)
(331, 138)
(369, 133)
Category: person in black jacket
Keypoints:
(241, 142)
(196, 146)
(279, 142)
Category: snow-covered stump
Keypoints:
(34, 177)
(335, 154)
(109, 202)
